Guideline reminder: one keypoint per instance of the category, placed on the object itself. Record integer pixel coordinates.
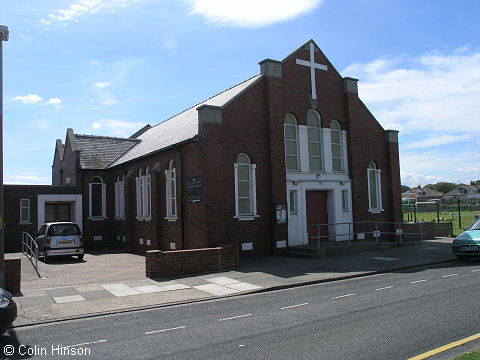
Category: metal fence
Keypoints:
(30, 249)
(363, 230)
(462, 213)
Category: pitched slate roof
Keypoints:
(97, 152)
(181, 127)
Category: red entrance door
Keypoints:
(316, 205)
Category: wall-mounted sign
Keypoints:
(281, 214)
(194, 189)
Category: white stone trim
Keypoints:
(76, 199)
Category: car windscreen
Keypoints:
(475, 226)
(63, 230)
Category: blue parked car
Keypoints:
(467, 244)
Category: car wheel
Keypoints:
(80, 257)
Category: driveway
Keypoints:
(97, 267)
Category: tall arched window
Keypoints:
(314, 141)
(120, 198)
(171, 190)
(245, 188)
(97, 198)
(336, 146)
(148, 194)
(374, 188)
(144, 195)
(291, 146)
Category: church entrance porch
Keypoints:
(317, 216)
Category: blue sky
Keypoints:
(108, 67)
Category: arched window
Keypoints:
(171, 190)
(374, 188)
(144, 195)
(336, 146)
(120, 198)
(97, 198)
(245, 188)
(291, 146)
(314, 141)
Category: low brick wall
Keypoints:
(170, 263)
(13, 274)
(430, 230)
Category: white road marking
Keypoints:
(385, 288)
(342, 296)
(235, 317)
(293, 306)
(444, 276)
(418, 281)
(87, 343)
(475, 270)
(163, 330)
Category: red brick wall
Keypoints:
(171, 263)
(12, 196)
(13, 274)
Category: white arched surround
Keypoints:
(75, 199)
(326, 180)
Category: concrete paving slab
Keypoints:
(68, 299)
(176, 287)
(35, 301)
(241, 286)
(33, 293)
(62, 292)
(135, 284)
(120, 289)
(146, 289)
(96, 294)
(215, 289)
(222, 280)
(83, 288)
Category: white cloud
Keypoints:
(170, 43)
(28, 99)
(54, 101)
(119, 128)
(102, 84)
(437, 140)
(24, 179)
(250, 13)
(86, 7)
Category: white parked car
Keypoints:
(60, 238)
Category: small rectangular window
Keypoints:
(345, 200)
(293, 202)
(24, 210)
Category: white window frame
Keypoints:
(120, 198)
(253, 191)
(319, 128)
(339, 144)
(292, 202)
(27, 221)
(171, 196)
(143, 195)
(372, 167)
(103, 199)
(345, 200)
(296, 142)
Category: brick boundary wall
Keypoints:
(13, 272)
(160, 263)
(432, 230)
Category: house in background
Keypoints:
(463, 192)
(256, 166)
(421, 194)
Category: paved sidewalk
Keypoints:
(50, 303)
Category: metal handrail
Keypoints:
(30, 249)
(376, 233)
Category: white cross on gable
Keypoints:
(312, 65)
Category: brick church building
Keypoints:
(255, 165)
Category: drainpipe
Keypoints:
(182, 220)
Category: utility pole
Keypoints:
(3, 37)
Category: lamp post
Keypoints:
(3, 37)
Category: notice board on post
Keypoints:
(194, 189)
